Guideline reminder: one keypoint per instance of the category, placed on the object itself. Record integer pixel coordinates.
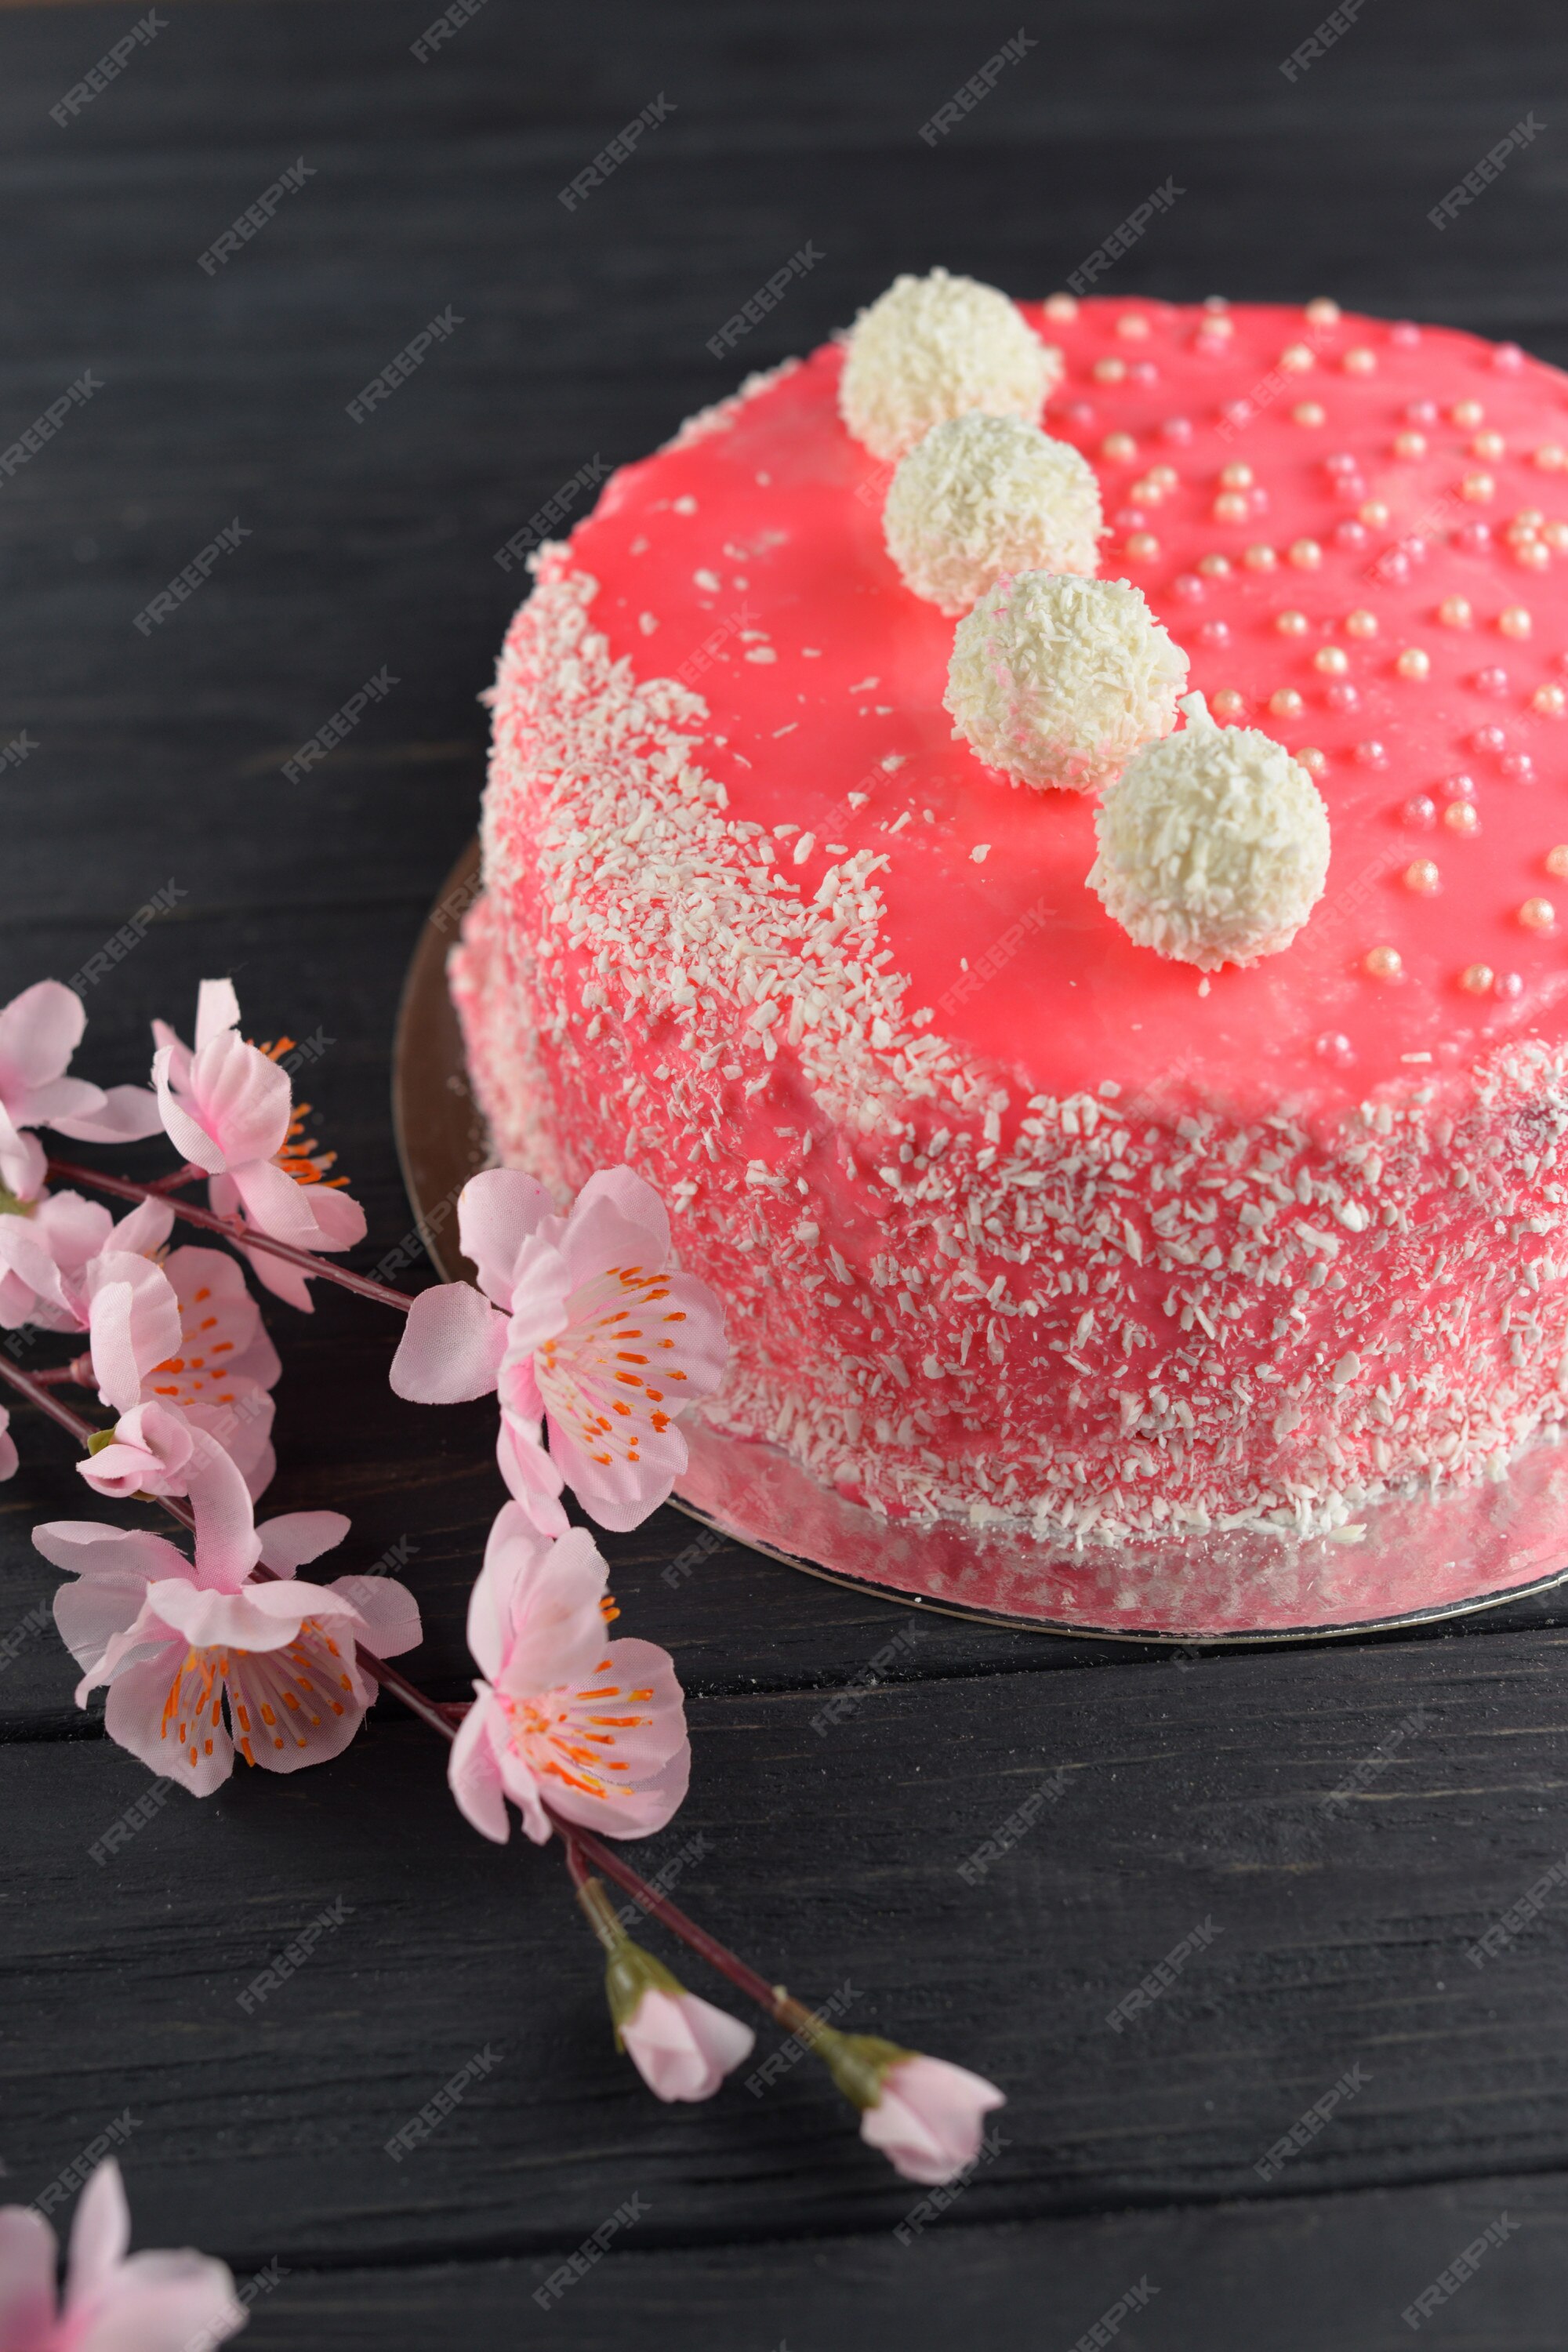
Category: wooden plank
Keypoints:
(1298, 2274)
(1336, 1936)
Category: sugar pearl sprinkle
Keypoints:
(1342, 658)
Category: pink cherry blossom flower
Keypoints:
(181, 1353)
(586, 1332)
(201, 1657)
(595, 1728)
(39, 1032)
(927, 2119)
(48, 1247)
(339, 1224)
(9, 1455)
(114, 2302)
(229, 1108)
(681, 2046)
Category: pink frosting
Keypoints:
(1012, 1217)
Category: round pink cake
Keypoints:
(1017, 1222)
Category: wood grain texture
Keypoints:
(1192, 1792)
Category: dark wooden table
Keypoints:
(1194, 1790)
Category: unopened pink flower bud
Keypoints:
(683, 2047)
(927, 2121)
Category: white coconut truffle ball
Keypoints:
(1214, 845)
(930, 348)
(984, 496)
(1058, 680)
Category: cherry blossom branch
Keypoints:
(581, 1846)
(245, 1237)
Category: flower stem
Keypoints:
(185, 1175)
(78, 1373)
(583, 1847)
(245, 1237)
(32, 1387)
(596, 1904)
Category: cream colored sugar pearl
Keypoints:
(1214, 845)
(983, 495)
(1058, 680)
(930, 348)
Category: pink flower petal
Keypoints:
(133, 1717)
(473, 1774)
(533, 1478)
(221, 1324)
(683, 2047)
(927, 2120)
(496, 1212)
(451, 1347)
(184, 1131)
(339, 1220)
(289, 1283)
(648, 1731)
(100, 2234)
(243, 1428)
(517, 1386)
(534, 1620)
(289, 1541)
(616, 1493)
(539, 1288)
(39, 1032)
(388, 1612)
(316, 1693)
(56, 1100)
(23, 1161)
(9, 1458)
(152, 1449)
(522, 1785)
(26, 2281)
(616, 1202)
(274, 1204)
(217, 1009)
(243, 1100)
(162, 2303)
(262, 1617)
(22, 1254)
(141, 1231)
(115, 1566)
(639, 1348)
(134, 1320)
(227, 1546)
(165, 1041)
(121, 1115)
(635, 1813)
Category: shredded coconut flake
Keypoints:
(1058, 680)
(1214, 845)
(984, 496)
(930, 348)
